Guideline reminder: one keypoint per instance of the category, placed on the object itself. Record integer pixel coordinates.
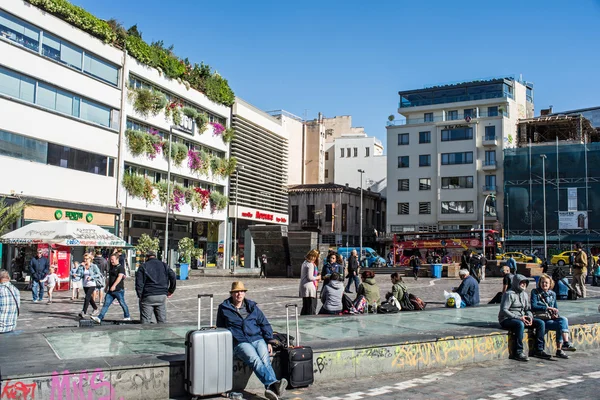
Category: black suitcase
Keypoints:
(297, 360)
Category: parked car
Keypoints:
(565, 257)
(518, 256)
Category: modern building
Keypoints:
(74, 130)
(445, 156)
(294, 130)
(334, 211)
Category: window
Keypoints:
(19, 31)
(21, 87)
(425, 208)
(490, 157)
(342, 153)
(402, 139)
(425, 184)
(490, 182)
(452, 115)
(22, 147)
(79, 160)
(424, 160)
(62, 52)
(457, 182)
(470, 112)
(492, 111)
(457, 134)
(457, 158)
(367, 151)
(310, 212)
(328, 212)
(490, 133)
(348, 152)
(403, 208)
(356, 152)
(326, 173)
(326, 155)
(403, 162)
(100, 69)
(403, 185)
(424, 137)
(428, 117)
(457, 207)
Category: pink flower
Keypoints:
(218, 129)
(194, 160)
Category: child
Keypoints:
(52, 280)
(75, 281)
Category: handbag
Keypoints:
(99, 279)
(544, 315)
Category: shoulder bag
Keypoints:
(544, 315)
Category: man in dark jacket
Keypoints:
(154, 282)
(251, 331)
(352, 271)
(38, 268)
(468, 289)
(101, 262)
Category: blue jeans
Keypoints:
(356, 283)
(558, 325)
(517, 327)
(256, 355)
(37, 289)
(109, 298)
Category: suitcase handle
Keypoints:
(200, 296)
(287, 324)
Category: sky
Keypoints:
(352, 57)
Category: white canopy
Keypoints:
(65, 233)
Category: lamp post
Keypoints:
(362, 171)
(543, 157)
(483, 230)
(237, 179)
(166, 252)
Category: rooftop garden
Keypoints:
(198, 76)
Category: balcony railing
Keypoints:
(489, 163)
(311, 223)
(490, 188)
(489, 138)
(459, 117)
(455, 99)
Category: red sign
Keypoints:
(247, 214)
(264, 216)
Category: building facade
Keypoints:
(446, 155)
(334, 211)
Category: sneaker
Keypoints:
(127, 319)
(95, 312)
(82, 315)
(96, 319)
(568, 347)
(561, 354)
(35, 301)
(270, 395)
(520, 357)
(279, 387)
(542, 354)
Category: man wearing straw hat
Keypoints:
(251, 331)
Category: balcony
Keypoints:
(489, 165)
(490, 140)
(489, 189)
(311, 224)
(457, 117)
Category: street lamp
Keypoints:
(483, 231)
(165, 255)
(362, 171)
(237, 179)
(543, 157)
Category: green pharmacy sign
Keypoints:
(73, 215)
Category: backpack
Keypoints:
(406, 304)
(360, 304)
(387, 308)
(417, 303)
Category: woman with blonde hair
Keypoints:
(88, 273)
(308, 283)
(544, 307)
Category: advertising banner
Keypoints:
(572, 220)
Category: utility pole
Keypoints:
(362, 171)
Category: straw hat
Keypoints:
(238, 286)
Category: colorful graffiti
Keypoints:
(18, 390)
(67, 386)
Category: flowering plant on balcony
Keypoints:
(178, 152)
(178, 198)
(218, 201)
(218, 129)
(197, 198)
(201, 122)
(147, 102)
(173, 111)
(194, 160)
(155, 142)
(148, 191)
(228, 135)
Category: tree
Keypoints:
(9, 214)
(146, 243)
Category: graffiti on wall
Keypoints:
(18, 390)
(83, 385)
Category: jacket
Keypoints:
(94, 272)
(515, 302)
(538, 297)
(101, 263)
(581, 262)
(330, 268)
(370, 290)
(398, 290)
(307, 278)
(154, 278)
(331, 295)
(352, 265)
(469, 291)
(244, 330)
(38, 268)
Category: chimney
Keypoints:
(546, 111)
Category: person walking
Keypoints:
(308, 283)
(415, 263)
(76, 285)
(154, 283)
(353, 270)
(52, 280)
(88, 273)
(512, 264)
(10, 301)
(114, 290)
(38, 268)
(580, 271)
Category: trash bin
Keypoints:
(436, 270)
(182, 270)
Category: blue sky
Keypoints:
(352, 57)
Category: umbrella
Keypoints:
(65, 233)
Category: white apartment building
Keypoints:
(446, 155)
(66, 126)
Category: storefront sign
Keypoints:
(258, 215)
(572, 220)
(73, 215)
(448, 243)
(41, 213)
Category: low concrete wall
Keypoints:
(162, 378)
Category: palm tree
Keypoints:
(9, 214)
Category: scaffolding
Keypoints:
(545, 129)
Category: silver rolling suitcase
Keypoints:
(208, 358)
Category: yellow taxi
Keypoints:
(519, 257)
(565, 257)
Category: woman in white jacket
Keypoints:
(309, 281)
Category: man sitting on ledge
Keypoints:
(468, 289)
(251, 331)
